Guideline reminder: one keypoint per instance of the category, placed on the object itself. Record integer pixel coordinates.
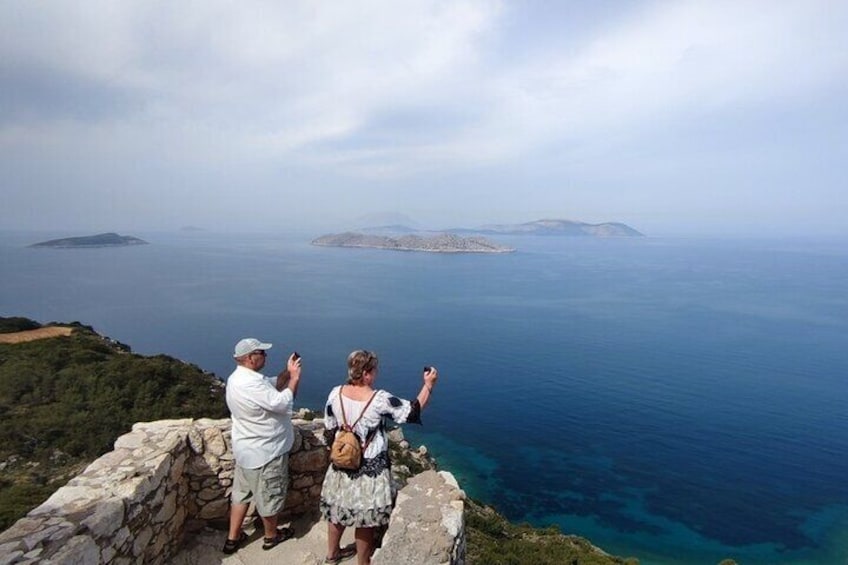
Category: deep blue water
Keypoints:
(680, 401)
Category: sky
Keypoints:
(707, 117)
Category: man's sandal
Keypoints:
(282, 535)
(344, 553)
(233, 545)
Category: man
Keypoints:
(262, 436)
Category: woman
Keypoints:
(363, 498)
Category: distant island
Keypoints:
(440, 243)
(546, 227)
(556, 227)
(99, 240)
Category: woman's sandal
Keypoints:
(344, 553)
(233, 545)
(282, 535)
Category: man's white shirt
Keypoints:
(261, 416)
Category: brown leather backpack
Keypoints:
(346, 450)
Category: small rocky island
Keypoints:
(441, 243)
(99, 240)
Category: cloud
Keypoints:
(672, 61)
(387, 93)
(283, 76)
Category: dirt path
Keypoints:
(32, 335)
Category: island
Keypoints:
(556, 227)
(440, 243)
(99, 240)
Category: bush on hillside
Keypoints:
(64, 401)
(17, 324)
(493, 540)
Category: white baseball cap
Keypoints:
(249, 344)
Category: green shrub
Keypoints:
(17, 324)
(74, 395)
(493, 540)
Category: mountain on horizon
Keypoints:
(551, 227)
(386, 221)
(560, 227)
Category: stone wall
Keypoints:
(133, 504)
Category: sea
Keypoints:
(678, 400)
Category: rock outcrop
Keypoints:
(427, 525)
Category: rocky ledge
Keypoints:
(168, 479)
(441, 243)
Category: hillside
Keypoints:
(64, 401)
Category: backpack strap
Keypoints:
(341, 403)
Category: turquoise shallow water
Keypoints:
(681, 401)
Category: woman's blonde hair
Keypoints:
(360, 362)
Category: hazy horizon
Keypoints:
(683, 118)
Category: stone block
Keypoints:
(173, 442)
(177, 470)
(34, 539)
(168, 509)
(78, 549)
(198, 467)
(209, 494)
(132, 441)
(309, 461)
(155, 550)
(107, 461)
(162, 425)
(298, 441)
(21, 528)
(34, 554)
(107, 517)
(215, 509)
(302, 481)
(294, 498)
(133, 489)
(142, 539)
(121, 538)
(69, 499)
(195, 441)
(107, 554)
(209, 482)
(214, 441)
(9, 556)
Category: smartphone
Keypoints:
(295, 356)
(427, 369)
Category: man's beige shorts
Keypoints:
(266, 486)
